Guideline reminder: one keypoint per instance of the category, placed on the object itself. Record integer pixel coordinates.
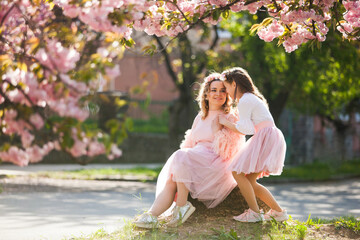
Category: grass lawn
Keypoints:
(339, 228)
(320, 171)
(139, 173)
(309, 172)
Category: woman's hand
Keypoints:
(222, 120)
(215, 125)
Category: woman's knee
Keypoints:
(170, 184)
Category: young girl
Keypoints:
(263, 154)
(200, 167)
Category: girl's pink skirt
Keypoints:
(204, 173)
(263, 153)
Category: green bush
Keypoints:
(318, 171)
(155, 124)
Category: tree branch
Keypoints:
(191, 25)
(6, 14)
(212, 46)
(167, 60)
(187, 20)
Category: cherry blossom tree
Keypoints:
(53, 52)
(50, 66)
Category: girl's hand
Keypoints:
(222, 119)
(215, 125)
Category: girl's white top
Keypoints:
(252, 111)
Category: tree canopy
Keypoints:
(54, 54)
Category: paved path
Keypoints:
(53, 209)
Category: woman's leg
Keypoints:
(182, 194)
(247, 190)
(183, 209)
(263, 193)
(164, 200)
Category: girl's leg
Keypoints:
(182, 194)
(247, 190)
(263, 193)
(183, 209)
(164, 200)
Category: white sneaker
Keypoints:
(146, 220)
(180, 214)
(278, 216)
(250, 216)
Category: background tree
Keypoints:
(311, 80)
(186, 61)
(49, 65)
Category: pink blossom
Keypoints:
(78, 86)
(273, 30)
(15, 155)
(345, 27)
(253, 7)
(103, 52)
(137, 15)
(26, 139)
(35, 154)
(213, 76)
(78, 149)
(115, 152)
(95, 148)
(37, 120)
(56, 57)
(71, 11)
(69, 108)
(114, 72)
(237, 7)
(219, 2)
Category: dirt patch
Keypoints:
(331, 232)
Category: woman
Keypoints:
(199, 167)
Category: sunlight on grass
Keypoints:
(321, 171)
(141, 173)
(155, 124)
(309, 172)
(349, 222)
(291, 229)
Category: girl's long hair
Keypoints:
(243, 82)
(205, 90)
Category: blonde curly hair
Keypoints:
(205, 90)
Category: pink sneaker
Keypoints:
(250, 216)
(278, 216)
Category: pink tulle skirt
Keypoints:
(263, 153)
(203, 172)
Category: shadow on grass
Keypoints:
(344, 227)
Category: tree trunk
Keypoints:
(182, 113)
(183, 110)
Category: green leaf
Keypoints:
(216, 14)
(254, 28)
(225, 14)
(267, 21)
